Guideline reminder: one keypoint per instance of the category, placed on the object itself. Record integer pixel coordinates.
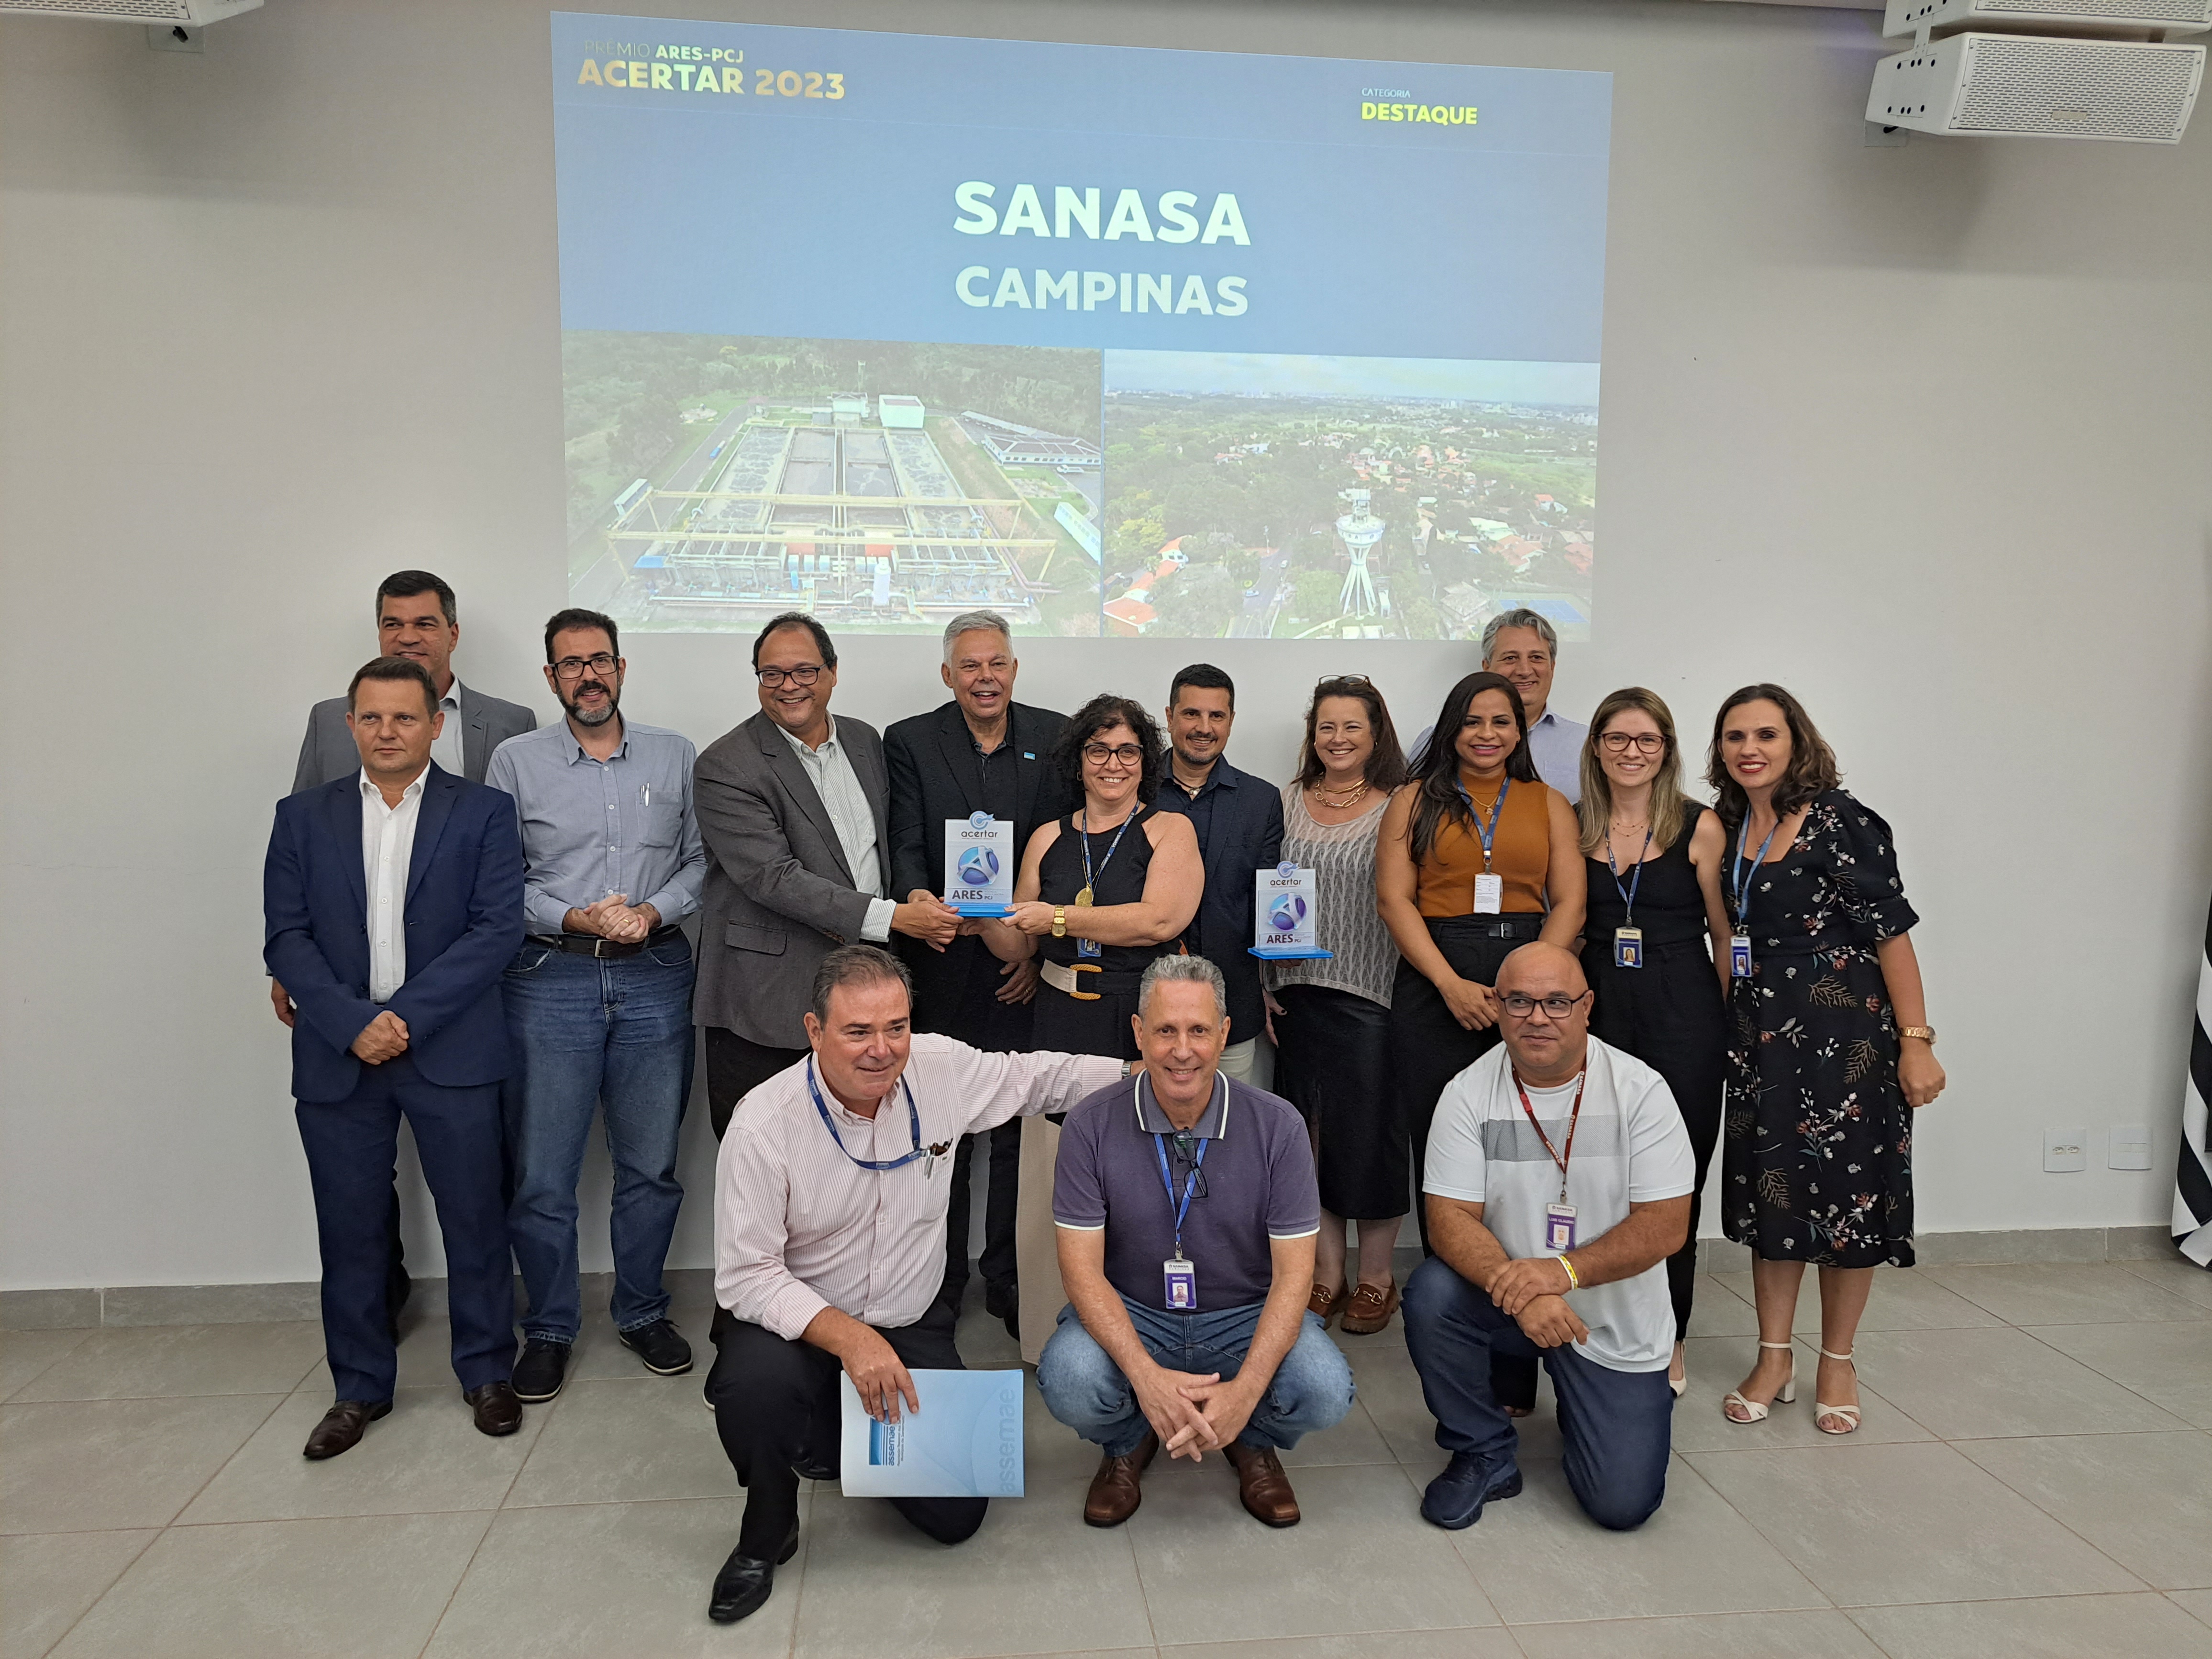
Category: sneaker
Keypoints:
(661, 1347)
(539, 1373)
(1454, 1498)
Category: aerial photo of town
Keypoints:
(884, 487)
(1297, 498)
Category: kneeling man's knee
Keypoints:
(1622, 1511)
(1432, 1292)
(1313, 1380)
(1078, 1380)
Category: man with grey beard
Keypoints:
(599, 999)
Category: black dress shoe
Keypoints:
(539, 1373)
(745, 1581)
(807, 1467)
(661, 1347)
(1003, 1301)
(342, 1426)
(1454, 1498)
(497, 1409)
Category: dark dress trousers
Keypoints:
(937, 774)
(463, 923)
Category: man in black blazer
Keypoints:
(393, 902)
(980, 752)
(791, 805)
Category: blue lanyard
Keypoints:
(1488, 832)
(913, 1118)
(1160, 1146)
(1090, 882)
(1740, 877)
(1635, 882)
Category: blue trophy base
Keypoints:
(984, 909)
(1289, 953)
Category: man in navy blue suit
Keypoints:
(393, 900)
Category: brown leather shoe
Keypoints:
(497, 1409)
(343, 1425)
(1262, 1485)
(1369, 1310)
(1325, 1302)
(1115, 1493)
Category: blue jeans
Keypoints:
(1617, 1424)
(589, 1033)
(1083, 1387)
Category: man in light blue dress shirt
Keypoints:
(1524, 646)
(599, 999)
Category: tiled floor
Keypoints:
(2035, 1479)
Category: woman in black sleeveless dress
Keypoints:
(1642, 840)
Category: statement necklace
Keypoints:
(1322, 792)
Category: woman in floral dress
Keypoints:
(1829, 1053)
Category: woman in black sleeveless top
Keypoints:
(1643, 839)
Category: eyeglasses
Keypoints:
(804, 675)
(1555, 1006)
(571, 668)
(1646, 742)
(1185, 1152)
(1097, 754)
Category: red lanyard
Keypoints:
(1574, 1118)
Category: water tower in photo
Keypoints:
(1358, 530)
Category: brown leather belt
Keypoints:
(591, 944)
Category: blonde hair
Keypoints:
(1669, 808)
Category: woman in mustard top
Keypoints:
(1477, 857)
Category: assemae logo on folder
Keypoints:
(965, 1442)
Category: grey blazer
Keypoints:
(779, 894)
(328, 751)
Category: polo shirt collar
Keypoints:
(1213, 1123)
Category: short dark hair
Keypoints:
(1103, 714)
(395, 669)
(406, 584)
(855, 965)
(1812, 770)
(1206, 677)
(575, 617)
(797, 619)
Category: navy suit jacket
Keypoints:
(464, 923)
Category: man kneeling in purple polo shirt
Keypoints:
(1186, 1214)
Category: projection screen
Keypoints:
(1115, 342)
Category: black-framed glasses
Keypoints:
(805, 675)
(1555, 1006)
(571, 668)
(1644, 742)
(1185, 1152)
(1127, 754)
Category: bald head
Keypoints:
(1549, 1038)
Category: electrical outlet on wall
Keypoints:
(2065, 1150)
(2129, 1148)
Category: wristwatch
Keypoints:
(1060, 921)
(1925, 1033)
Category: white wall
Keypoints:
(282, 317)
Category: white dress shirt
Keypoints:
(831, 772)
(445, 748)
(387, 843)
(798, 1226)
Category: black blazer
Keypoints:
(934, 776)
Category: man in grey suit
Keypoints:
(793, 807)
(415, 618)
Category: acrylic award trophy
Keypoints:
(1284, 916)
(979, 865)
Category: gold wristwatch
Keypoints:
(1060, 921)
(1925, 1033)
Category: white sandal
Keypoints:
(1755, 1411)
(1850, 1414)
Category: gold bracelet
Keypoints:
(1574, 1279)
(1924, 1033)
(1060, 921)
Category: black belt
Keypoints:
(1526, 924)
(591, 944)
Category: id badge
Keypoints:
(1628, 947)
(1089, 947)
(1740, 956)
(1489, 894)
(1182, 1284)
(1558, 1227)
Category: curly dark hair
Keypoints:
(1437, 774)
(1386, 761)
(1812, 769)
(1103, 714)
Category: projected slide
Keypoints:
(1115, 342)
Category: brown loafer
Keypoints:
(1262, 1485)
(343, 1425)
(1370, 1309)
(1323, 1302)
(497, 1408)
(1115, 1493)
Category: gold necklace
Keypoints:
(1320, 793)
